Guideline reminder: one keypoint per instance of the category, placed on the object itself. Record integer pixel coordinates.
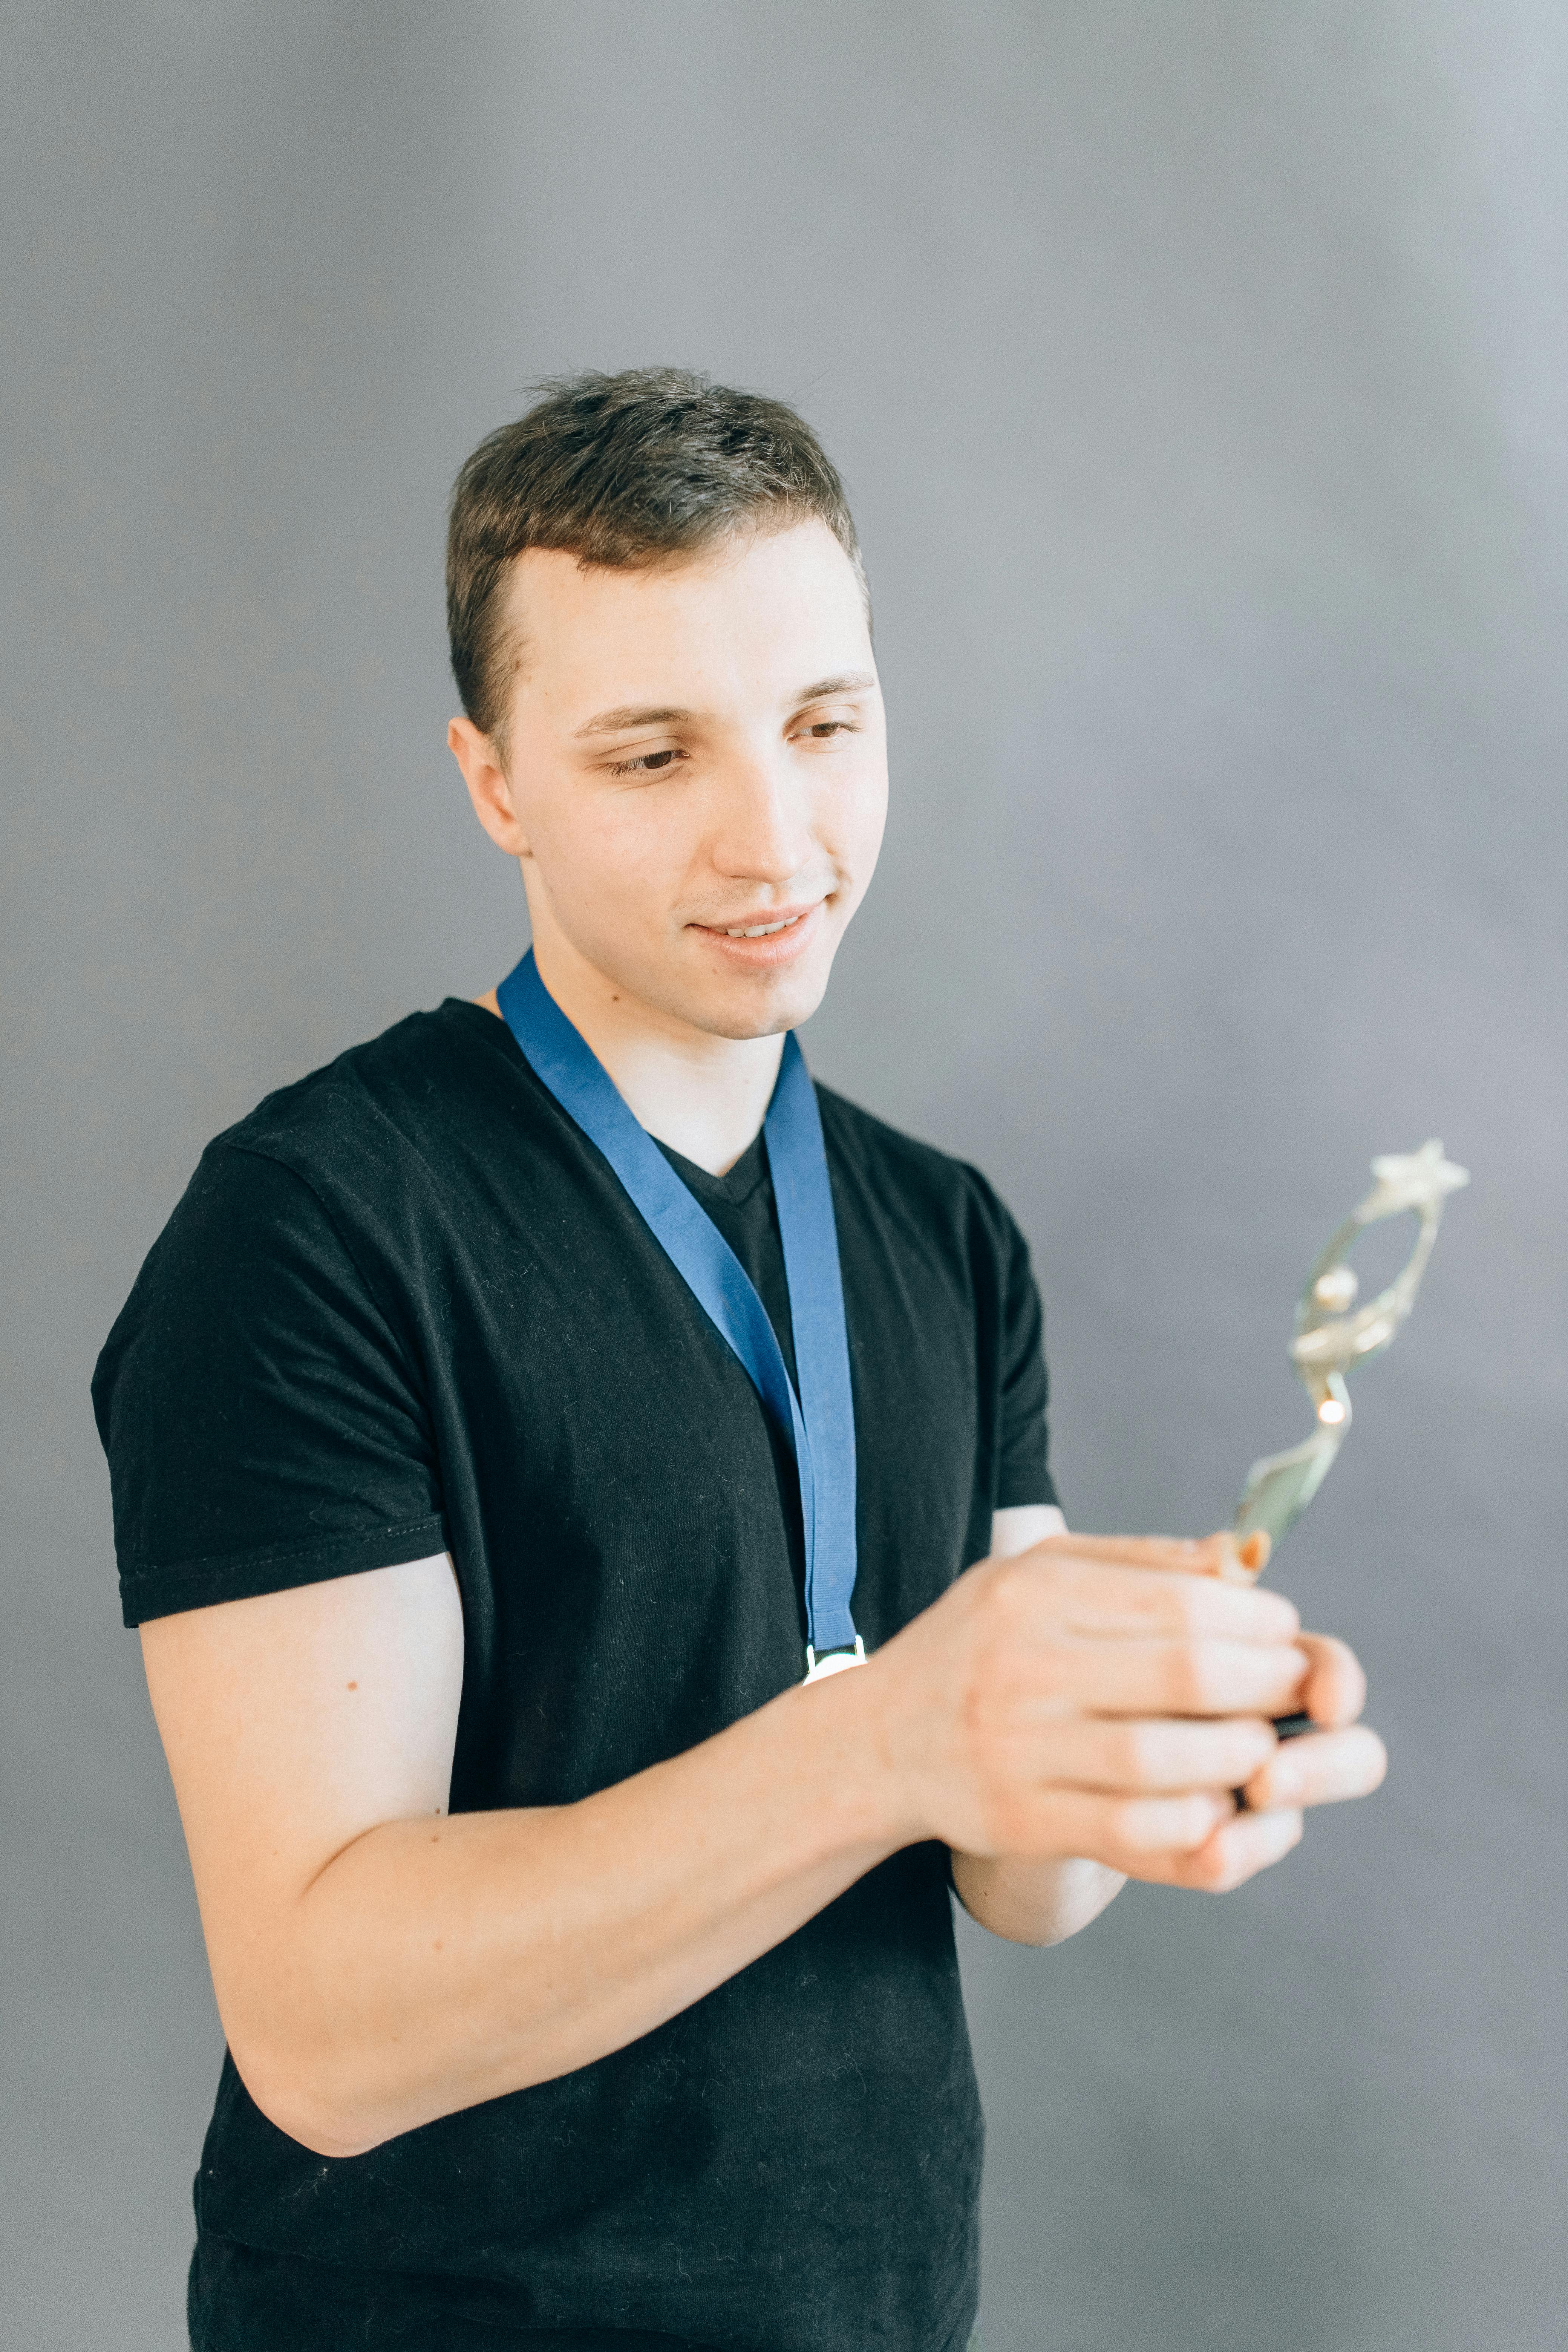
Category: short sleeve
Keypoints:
(263, 1421)
(1023, 1472)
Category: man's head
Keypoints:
(660, 635)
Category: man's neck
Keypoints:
(706, 1096)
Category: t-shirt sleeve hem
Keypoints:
(1031, 1486)
(148, 1592)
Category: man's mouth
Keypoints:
(760, 930)
(774, 935)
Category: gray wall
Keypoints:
(1200, 373)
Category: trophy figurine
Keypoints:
(1332, 1335)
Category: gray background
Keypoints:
(1201, 376)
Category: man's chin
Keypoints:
(757, 1004)
(760, 1012)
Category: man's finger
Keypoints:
(1146, 1836)
(1237, 1560)
(1107, 1597)
(1325, 1767)
(1127, 1756)
(1184, 1555)
(1236, 1852)
(1336, 1686)
(1181, 1678)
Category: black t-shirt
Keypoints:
(406, 1306)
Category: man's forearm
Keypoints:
(436, 1963)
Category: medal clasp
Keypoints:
(833, 1662)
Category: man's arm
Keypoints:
(378, 1963)
(1043, 1903)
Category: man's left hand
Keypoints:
(1343, 1758)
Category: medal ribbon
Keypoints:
(819, 1423)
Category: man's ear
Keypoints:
(487, 784)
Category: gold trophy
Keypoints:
(1333, 1335)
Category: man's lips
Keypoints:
(771, 935)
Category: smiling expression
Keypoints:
(696, 777)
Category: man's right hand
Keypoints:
(1095, 1696)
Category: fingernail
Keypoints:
(1233, 1566)
(1284, 1784)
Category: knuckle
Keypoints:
(1054, 1675)
(1124, 1824)
(1191, 1677)
(1014, 1590)
(1223, 1864)
(1011, 1821)
(1006, 1576)
(998, 1586)
(1143, 1751)
(1196, 1860)
(1073, 1586)
(1189, 1605)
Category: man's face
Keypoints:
(698, 752)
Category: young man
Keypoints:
(587, 1968)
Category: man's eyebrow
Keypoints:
(631, 714)
(669, 714)
(853, 681)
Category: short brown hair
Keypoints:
(629, 471)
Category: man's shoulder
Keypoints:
(379, 1101)
(903, 1169)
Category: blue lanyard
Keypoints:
(819, 1424)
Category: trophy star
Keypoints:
(1408, 1178)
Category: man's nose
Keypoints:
(763, 830)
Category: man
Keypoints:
(586, 1967)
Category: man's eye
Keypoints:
(646, 764)
(823, 728)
